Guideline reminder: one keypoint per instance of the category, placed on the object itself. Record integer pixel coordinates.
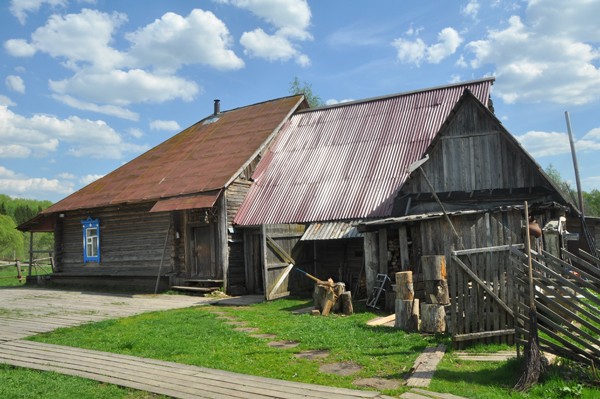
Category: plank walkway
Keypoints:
(417, 393)
(166, 378)
(425, 366)
(29, 311)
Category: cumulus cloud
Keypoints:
(20, 8)
(87, 179)
(15, 184)
(107, 80)
(471, 9)
(41, 134)
(544, 144)
(173, 41)
(548, 55)
(164, 125)
(415, 51)
(290, 20)
(137, 133)
(15, 83)
(6, 101)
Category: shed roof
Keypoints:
(348, 161)
(204, 157)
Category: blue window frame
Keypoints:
(91, 240)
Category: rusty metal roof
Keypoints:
(204, 157)
(348, 161)
(196, 201)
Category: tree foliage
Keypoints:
(298, 87)
(18, 211)
(591, 200)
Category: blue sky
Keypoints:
(86, 85)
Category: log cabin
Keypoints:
(165, 218)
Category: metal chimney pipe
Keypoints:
(217, 106)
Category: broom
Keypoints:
(533, 357)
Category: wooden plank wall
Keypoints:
(234, 196)
(131, 242)
(287, 236)
(474, 152)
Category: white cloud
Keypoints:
(68, 176)
(42, 134)
(123, 88)
(164, 125)
(333, 101)
(544, 144)
(290, 17)
(19, 48)
(137, 133)
(5, 101)
(416, 51)
(290, 20)
(471, 9)
(87, 179)
(20, 8)
(173, 41)
(113, 110)
(15, 184)
(548, 55)
(15, 83)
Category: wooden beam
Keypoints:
(498, 248)
(484, 334)
(383, 251)
(403, 241)
(282, 277)
(282, 253)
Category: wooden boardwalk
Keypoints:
(25, 312)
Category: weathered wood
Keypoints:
(436, 291)
(383, 251)
(425, 366)
(483, 334)
(499, 248)
(378, 321)
(403, 244)
(407, 315)
(404, 286)
(346, 300)
(434, 267)
(371, 252)
(433, 318)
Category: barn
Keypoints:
(335, 195)
(165, 218)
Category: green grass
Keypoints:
(8, 276)
(17, 383)
(196, 336)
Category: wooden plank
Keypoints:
(280, 280)
(403, 243)
(498, 248)
(435, 395)
(483, 334)
(282, 253)
(425, 366)
(383, 251)
(378, 321)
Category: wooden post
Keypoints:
(434, 267)
(371, 259)
(403, 241)
(383, 251)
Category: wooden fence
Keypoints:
(567, 300)
(480, 290)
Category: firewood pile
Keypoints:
(330, 297)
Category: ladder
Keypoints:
(378, 288)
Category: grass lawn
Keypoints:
(197, 336)
(17, 383)
(8, 276)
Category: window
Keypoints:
(91, 240)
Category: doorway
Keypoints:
(202, 245)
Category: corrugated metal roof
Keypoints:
(203, 157)
(332, 231)
(202, 200)
(348, 161)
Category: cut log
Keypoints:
(346, 303)
(433, 318)
(404, 286)
(434, 267)
(436, 292)
(406, 319)
(329, 302)
(338, 289)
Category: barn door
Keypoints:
(203, 254)
(277, 264)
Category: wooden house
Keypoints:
(165, 218)
(334, 168)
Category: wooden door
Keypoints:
(203, 254)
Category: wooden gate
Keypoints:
(479, 283)
(567, 301)
(279, 249)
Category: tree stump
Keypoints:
(433, 318)
(345, 299)
(434, 267)
(407, 315)
(436, 292)
(404, 286)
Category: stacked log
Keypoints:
(407, 307)
(332, 297)
(433, 313)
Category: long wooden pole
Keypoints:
(528, 247)
(575, 164)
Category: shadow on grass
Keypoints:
(503, 375)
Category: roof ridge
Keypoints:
(491, 79)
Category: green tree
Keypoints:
(564, 186)
(11, 240)
(298, 87)
(591, 202)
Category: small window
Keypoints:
(91, 240)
